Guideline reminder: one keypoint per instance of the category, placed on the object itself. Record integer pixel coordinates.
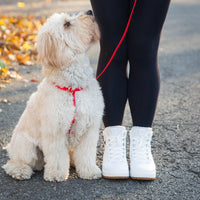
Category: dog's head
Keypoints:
(63, 36)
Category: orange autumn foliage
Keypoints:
(18, 40)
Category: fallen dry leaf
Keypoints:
(21, 4)
(34, 80)
(4, 100)
(4, 70)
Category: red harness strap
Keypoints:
(73, 91)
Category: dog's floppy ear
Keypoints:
(52, 52)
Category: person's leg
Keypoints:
(144, 36)
(143, 84)
(112, 17)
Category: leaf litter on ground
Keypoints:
(17, 44)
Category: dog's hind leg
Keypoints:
(85, 155)
(22, 154)
(56, 157)
(18, 170)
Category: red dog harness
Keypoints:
(73, 91)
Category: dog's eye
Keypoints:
(67, 24)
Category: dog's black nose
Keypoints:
(89, 12)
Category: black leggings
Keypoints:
(140, 48)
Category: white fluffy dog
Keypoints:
(62, 119)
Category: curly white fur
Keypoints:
(41, 136)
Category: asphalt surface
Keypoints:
(176, 126)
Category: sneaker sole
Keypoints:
(143, 178)
(116, 177)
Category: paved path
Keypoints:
(176, 127)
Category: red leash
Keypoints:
(123, 36)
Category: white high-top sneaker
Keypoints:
(142, 166)
(115, 164)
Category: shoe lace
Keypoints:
(116, 148)
(141, 149)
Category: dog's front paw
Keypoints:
(90, 173)
(55, 175)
